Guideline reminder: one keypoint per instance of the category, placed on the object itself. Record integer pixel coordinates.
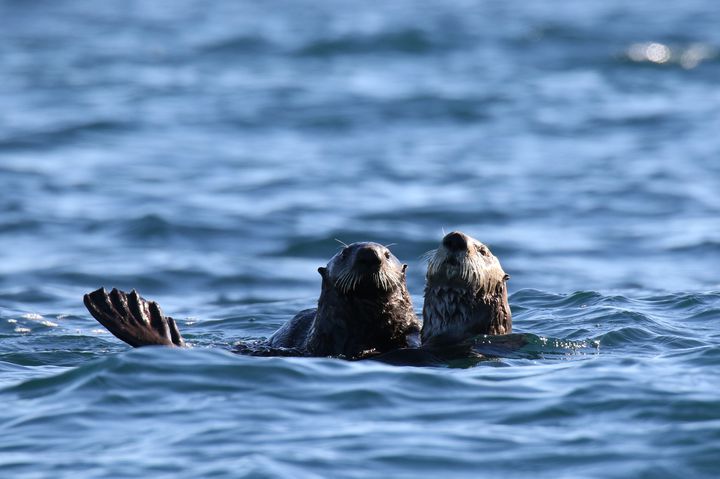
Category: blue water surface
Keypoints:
(209, 154)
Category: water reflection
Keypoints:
(688, 57)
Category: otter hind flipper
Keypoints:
(133, 319)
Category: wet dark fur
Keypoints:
(465, 293)
(356, 323)
(364, 309)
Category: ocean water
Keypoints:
(209, 154)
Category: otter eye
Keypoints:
(482, 250)
(344, 253)
(387, 254)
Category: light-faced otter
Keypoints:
(364, 309)
(465, 298)
(465, 293)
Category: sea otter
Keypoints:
(465, 293)
(465, 300)
(364, 309)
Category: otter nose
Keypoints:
(368, 256)
(455, 241)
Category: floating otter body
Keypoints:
(465, 293)
(465, 298)
(364, 309)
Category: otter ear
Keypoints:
(404, 268)
(323, 272)
(506, 277)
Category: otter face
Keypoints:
(463, 262)
(364, 268)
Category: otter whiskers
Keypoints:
(349, 280)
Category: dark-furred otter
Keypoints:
(364, 309)
(465, 293)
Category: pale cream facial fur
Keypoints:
(475, 268)
(465, 292)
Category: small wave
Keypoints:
(410, 41)
(157, 281)
(702, 356)
(534, 299)
(25, 295)
(366, 110)
(306, 247)
(640, 326)
(431, 216)
(60, 135)
(155, 226)
(240, 44)
(627, 335)
(707, 314)
(688, 302)
(21, 226)
(145, 365)
(531, 346)
(708, 246)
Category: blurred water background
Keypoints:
(210, 153)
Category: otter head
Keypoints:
(364, 269)
(364, 306)
(465, 292)
(462, 262)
